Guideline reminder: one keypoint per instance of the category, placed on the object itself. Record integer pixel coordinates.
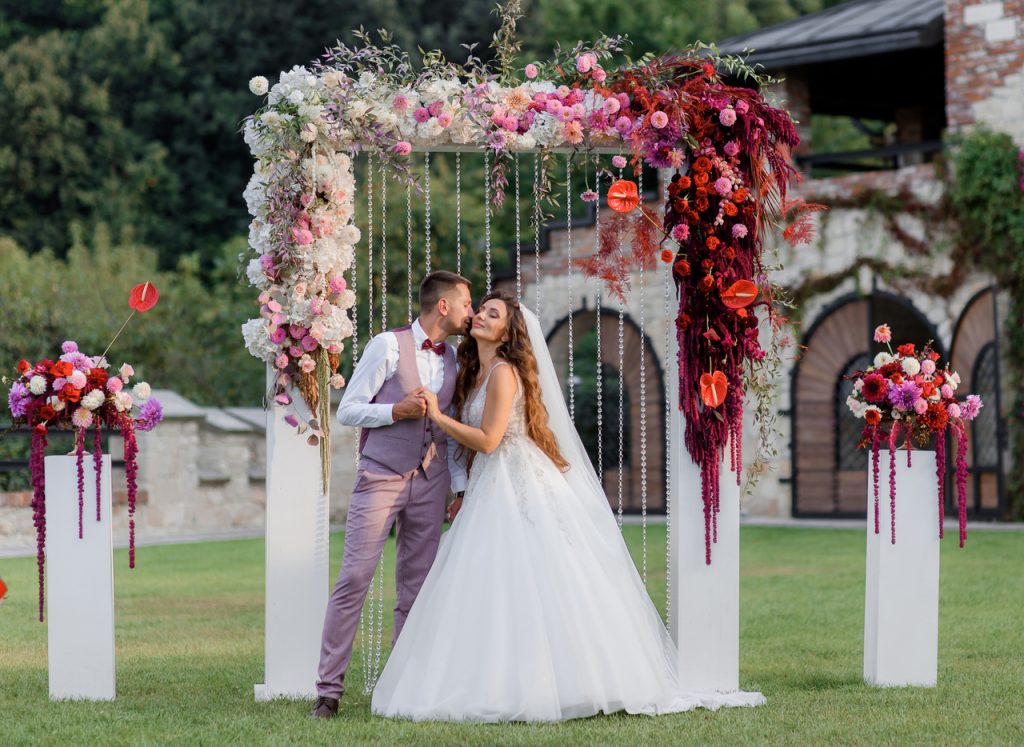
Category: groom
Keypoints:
(406, 468)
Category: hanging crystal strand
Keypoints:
(458, 212)
(536, 228)
(426, 230)
(622, 384)
(568, 278)
(643, 411)
(666, 286)
(369, 244)
(597, 328)
(487, 216)
(519, 251)
(383, 247)
(353, 283)
(408, 242)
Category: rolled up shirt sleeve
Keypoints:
(376, 365)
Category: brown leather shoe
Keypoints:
(324, 707)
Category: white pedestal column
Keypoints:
(79, 583)
(705, 598)
(901, 601)
(297, 552)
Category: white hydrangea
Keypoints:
(37, 385)
(142, 391)
(259, 85)
(346, 299)
(254, 272)
(546, 130)
(255, 194)
(309, 111)
(93, 399)
(257, 340)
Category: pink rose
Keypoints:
(278, 336)
(619, 162)
(302, 236)
(727, 117)
(403, 148)
(296, 331)
(599, 74)
(444, 119)
(309, 343)
(532, 71)
(307, 364)
(510, 123)
(421, 115)
(584, 62)
(435, 108)
(295, 351)
(659, 120)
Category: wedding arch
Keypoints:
(698, 117)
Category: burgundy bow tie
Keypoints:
(436, 347)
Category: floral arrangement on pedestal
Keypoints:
(729, 147)
(906, 393)
(81, 393)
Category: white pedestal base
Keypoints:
(79, 583)
(297, 558)
(901, 603)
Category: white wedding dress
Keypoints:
(533, 609)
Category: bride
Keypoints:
(533, 609)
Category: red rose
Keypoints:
(933, 356)
(684, 182)
(712, 242)
(61, 368)
(700, 178)
(24, 366)
(681, 268)
(46, 412)
(69, 394)
(939, 380)
(667, 255)
(706, 283)
(709, 70)
(907, 349)
(707, 265)
(96, 378)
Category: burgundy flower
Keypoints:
(874, 389)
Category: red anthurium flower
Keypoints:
(143, 297)
(713, 388)
(739, 294)
(623, 196)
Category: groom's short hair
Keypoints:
(436, 285)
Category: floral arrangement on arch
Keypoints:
(729, 147)
(80, 392)
(906, 392)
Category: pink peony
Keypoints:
(510, 123)
(421, 115)
(402, 148)
(584, 62)
(723, 185)
(659, 119)
(619, 162)
(599, 74)
(883, 333)
(727, 117)
(531, 71)
(435, 108)
(739, 231)
(278, 336)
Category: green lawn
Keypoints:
(190, 647)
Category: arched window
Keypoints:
(984, 435)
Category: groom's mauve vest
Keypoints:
(407, 444)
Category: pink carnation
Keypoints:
(402, 148)
(435, 108)
(421, 115)
(723, 185)
(731, 148)
(659, 119)
(619, 162)
(739, 231)
(681, 232)
(727, 117)
(531, 71)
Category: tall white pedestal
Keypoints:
(901, 601)
(79, 583)
(297, 558)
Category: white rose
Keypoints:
(37, 385)
(911, 366)
(259, 85)
(142, 390)
(882, 359)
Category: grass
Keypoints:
(190, 648)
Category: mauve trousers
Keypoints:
(380, 498)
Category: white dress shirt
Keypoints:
(379, 363)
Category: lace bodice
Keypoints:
(517, 418)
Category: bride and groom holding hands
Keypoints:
(530, 608)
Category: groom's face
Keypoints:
(460, 309)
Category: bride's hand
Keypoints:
(433, 411)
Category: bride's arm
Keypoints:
(501, 389)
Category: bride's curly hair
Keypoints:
(519, 353)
